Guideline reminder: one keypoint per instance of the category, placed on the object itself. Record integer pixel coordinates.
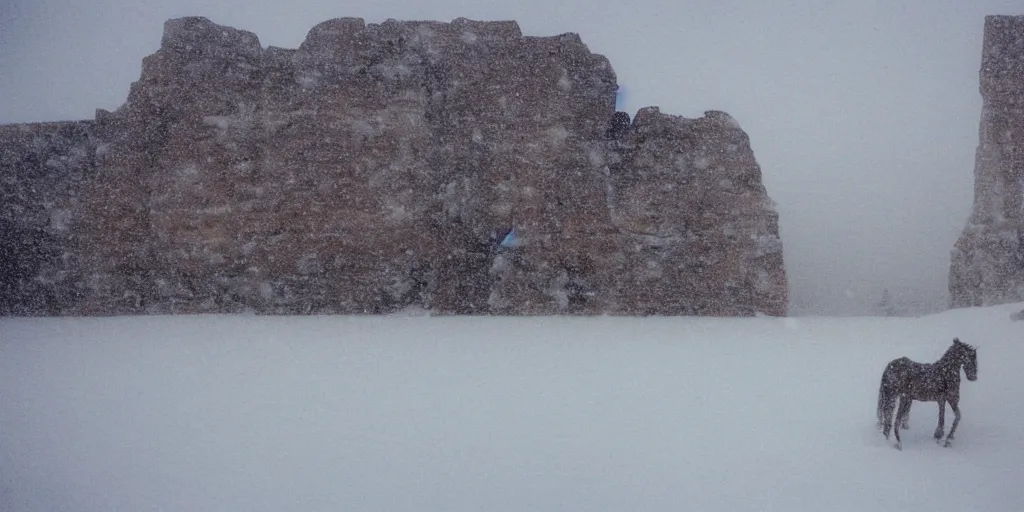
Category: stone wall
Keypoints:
(42, 171)
(699, 231)
(988, 260)
(379, 167)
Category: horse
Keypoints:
(936, 382)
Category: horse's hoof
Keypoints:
(947, 444)
(899, 446)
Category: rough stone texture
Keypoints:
(695, 218)
(988, 259)
(377, 167)
(42, 171)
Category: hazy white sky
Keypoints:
(863, 114)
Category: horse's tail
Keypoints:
(886, 396)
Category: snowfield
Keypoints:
(413, 413)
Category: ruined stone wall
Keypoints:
(987, 264)
(43, 168)
(699, 231)
(378, 167)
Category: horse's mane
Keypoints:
(949, 356)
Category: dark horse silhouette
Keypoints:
(936, 382)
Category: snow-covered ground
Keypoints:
(226, 413)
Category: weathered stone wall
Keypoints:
(700, 233)
(377, 167)
(988, 260)
(42, 171)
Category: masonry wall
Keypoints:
(987, 262)
(380, 167)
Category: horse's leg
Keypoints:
(905, 424)
(942, 420)
(901, 414)
(954, 403)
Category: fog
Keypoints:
(863, 115)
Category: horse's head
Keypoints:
(967, 356)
